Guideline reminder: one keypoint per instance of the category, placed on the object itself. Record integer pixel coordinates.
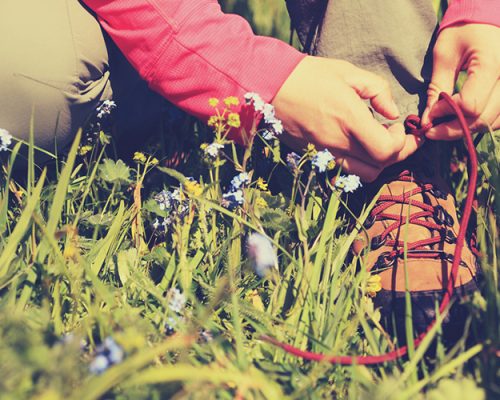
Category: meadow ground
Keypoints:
(136, 273)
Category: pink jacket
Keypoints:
(189, 51)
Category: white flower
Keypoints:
(268, 134)
(256, 100)
(107, 354)
(348, 183)
(239, 181)
(262, 254)
(268, 113)
(176, 301)
(321, 160)
(278, 127)
(105, 108)
(213, 149)
(5, 139)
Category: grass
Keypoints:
(82, 260)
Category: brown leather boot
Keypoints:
(415, 206)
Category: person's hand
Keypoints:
(321, 102)
(474, 48)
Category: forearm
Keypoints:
(189, 51)
(471, 11)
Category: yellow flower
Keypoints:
(233, 120)
(256, 300)
(311, 150)
(192, 187)
(331, 165)
(213, 102)
(140, 157)
(84, 150)
(212, 121)
(261, 203)
(154, 161)
(261, 184)
(231, 101)
(373, 285)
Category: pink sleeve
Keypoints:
(472, 11)
(189, 50)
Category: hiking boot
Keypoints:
(415, 206)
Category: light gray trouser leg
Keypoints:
(57, 65)
(391, 38)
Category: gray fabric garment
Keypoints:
(391, 38)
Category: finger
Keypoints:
(447, 131)
(370, 86)
(411, 144)
(366, 172)
(482, 77)
(444, 75)
(380, 143)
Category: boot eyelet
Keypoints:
(377, 242)
(439, 215)
(385, 260)
(370, 221)
(448, 236)
(438, 193)
(448, 219)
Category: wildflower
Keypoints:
(176, 301)
(165, 200)
(233, 199)
(212, 149)
(84, 149)
(231, 101)
(256, 300)
(239, 181)
(293, 160)
(213, 120)
(107, 354)
(213, 102)
(322, 160)
(268, 113)
(348, 183)
(106, 107)
(311, 150)
(261, 203)
(261, 253)
(255, 100)
(139, 157)
(233, 120)
(261, 184)
(5, 139)
(156, 224)
(154, 161)
(277, 126)
(192, 187)
(205, 336)
(373, 285)
(268, 134)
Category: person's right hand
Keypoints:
(321, 102)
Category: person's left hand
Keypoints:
(474, 48)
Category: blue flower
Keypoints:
(239, 181)
(107, 354)
(322, 160)
(232, 200)
(348, 183)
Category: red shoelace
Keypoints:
(414, 249)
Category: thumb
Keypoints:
(370, 86)
(445, 69)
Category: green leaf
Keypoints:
(114, 172)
